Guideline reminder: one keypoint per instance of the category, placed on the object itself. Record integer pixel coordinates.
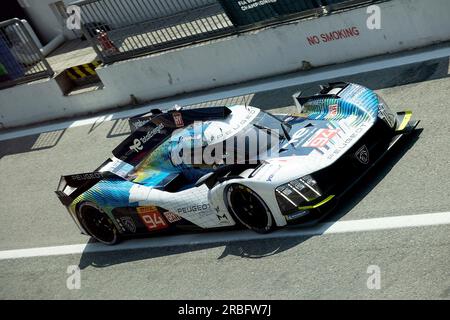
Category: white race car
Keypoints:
(221, 167)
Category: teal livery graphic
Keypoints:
(232, 166)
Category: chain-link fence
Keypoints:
(20, 58)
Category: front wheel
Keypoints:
(98, 224)
(249, 209)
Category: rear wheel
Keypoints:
(98, 224)
(249, 209)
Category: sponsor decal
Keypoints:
(363, 155)
(223, 217)
(171, 217)
(321, 138)
(348, 141)
(269, 179)
(138, 143)
(152, 218)
(333, 110)
(297, 215)
(86, 176)
(139, 123)
(178, 119)
(128, 224)
(194, 208)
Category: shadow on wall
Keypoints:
(375, 80)
(280, 100)
(45, 140)
(257, 249)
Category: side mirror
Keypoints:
(208, 179)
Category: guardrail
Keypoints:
(20, 58)
(123, 29)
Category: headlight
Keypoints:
(385, 113)
(299, 191)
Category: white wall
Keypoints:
(406, 24)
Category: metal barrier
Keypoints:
(20, 58)
(250, 12)
(122, 29)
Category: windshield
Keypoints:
(256, 140)
(266, 121)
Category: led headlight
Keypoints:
(385, 113)
(297, 192)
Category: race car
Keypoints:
(235, 166)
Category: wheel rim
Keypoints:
(248, 207)
(98, 224)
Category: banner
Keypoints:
(245, 12)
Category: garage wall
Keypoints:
(405, 24)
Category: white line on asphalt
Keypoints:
(371, 64)
(397, 222)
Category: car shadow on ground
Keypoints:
(261, 248)
(374, 176)
(251, 249)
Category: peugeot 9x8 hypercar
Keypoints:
(220, 167)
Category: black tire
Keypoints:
(98, 224)
(248, 208)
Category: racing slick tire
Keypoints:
(97, 223)
(249, 209)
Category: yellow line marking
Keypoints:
(318, 204)
(71, 76)
(406, 118)
(79, 72)
(88, 69)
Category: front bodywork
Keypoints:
(333, 140)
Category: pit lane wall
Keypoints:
(336, 38)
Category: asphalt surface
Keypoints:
(414, 179)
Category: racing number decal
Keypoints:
(321, 138)
(152, 218)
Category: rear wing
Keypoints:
(331, 90)
(138, 121)
(71, 186)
